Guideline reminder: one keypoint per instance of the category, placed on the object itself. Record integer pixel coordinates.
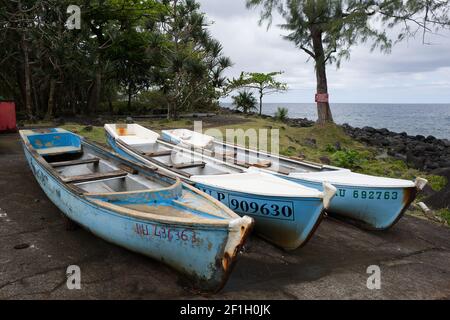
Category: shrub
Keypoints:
(245, 101)
(349, 159)
(281, 114)
(437, 183)
(330, 149)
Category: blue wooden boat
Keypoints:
(374, 203)
(285, 213)
(137, 207)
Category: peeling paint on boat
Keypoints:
(368, 203)
(289, 230)
(196, 245)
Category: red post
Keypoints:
(8, 116)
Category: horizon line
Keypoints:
(418, 103)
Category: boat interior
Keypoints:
(106, 180)
(181, 161)
(94, 174)
(190, 137)
(242, 157)
(248, 158)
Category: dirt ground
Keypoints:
(35, 251)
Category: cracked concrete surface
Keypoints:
(414, 256)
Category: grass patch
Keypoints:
(96, 134)
(444, 214)
(162, 124)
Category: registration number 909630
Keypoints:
(268, 208)
(282, 210)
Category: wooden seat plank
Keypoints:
(262, 164)
(238, 162)
(225, 154)
(159, 153)
(74, 162)
(280, 170)
(189, 165)
(94, 176)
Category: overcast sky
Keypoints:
(412, 73)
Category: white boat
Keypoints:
(375, 203)
(285, 213)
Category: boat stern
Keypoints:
(420, 183)
(239, 231)
(329, 191)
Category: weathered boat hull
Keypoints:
(287, 222)
(288, 229)
(369, 208)
(205, 253)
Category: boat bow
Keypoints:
(420, 183)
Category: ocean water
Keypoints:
(414, 119)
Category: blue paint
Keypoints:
(170, 138)
(54, 139)
(195, 249)
(373, 207)
(379, 208)
(287, 231)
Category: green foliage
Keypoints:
(245, 101)
(263, 83)
(97, 134)
(437, 183)
(344, 23)
(124, 48)
(330, 149)
(444, 214)
(193, 61)
(326, 30)
(281, 114)
(349, 159)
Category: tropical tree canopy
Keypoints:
(123, 49)
(244, 101)
(263, 83)
(327, 29)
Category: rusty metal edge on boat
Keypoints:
(227, 257)
(224, 263)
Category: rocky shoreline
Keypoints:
(419, 152)
(427, 154)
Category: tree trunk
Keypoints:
(260, 101)
(169, 103)
(37, 105)
(72, 101)
(323, 108)
(27, 74)
(94, 93)
(51, 100)
(129, 97)
(110, 104)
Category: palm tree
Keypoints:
(281, 114)
(245, 101)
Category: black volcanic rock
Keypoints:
(420, 152)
